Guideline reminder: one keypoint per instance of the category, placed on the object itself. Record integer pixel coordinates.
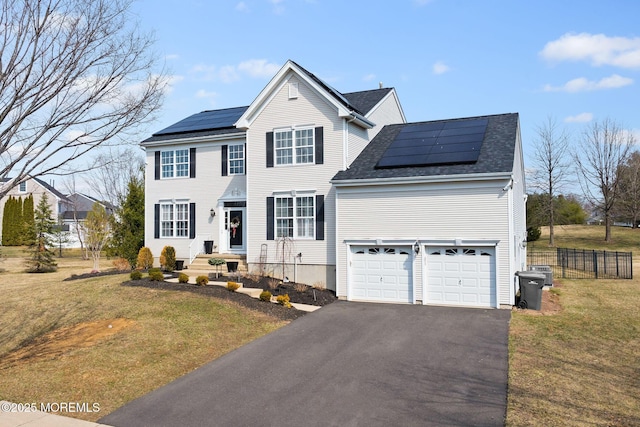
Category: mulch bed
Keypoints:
(302, 294)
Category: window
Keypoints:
(287, 140)
(236, 159)
(174, 220)
(175, 163)
(295, 217)
(23, 187)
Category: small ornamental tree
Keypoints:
(168, 258)
(98, 232)
(145, 259)
(41, 260)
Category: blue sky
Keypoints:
(575, 61)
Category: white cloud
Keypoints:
(204, 94)
(597, 49)
(579, 118)
(242, 7)
(228, 74)
(582, 84)
(258, 68)
(369, 77)
(440, 68)
(278, 6)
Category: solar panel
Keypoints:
(206, 120)
(436, 143)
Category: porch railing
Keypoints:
(196, 247)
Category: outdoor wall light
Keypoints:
(212, 213)
(416, 248)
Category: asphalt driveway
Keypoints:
(348, 364)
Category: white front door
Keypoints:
(461, 276)
(381, 273)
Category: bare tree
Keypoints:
(97, 232)
(113, 172)
(603, 150)
(552, 167)
(629, 205)
(74, 75)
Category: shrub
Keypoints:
(168, 258)
(121, 264)
(300, 287)
(284, 300)
(273, 283)
(135, 275)
(265, 296)
(233, 286)
(183, 278)
(533, 234)
(202, 280)
(156, 275)
(319, 286)
(145, 259)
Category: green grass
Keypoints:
(171, 333)
(589, 237)
(579, 367)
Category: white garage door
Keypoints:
(381, 273)
(462, 276)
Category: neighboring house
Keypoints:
(272, 182)
(434, 213)
(74, 210)
(37, 187)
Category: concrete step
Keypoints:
(201, 263)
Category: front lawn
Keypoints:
(96, 341)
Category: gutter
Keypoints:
(209, 138)
(421, 179)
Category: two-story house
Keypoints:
(337, 189)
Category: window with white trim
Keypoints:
(23, 187)
(174, 219)
(236, 159)
(294, 146)
(175, 163)
(295, 217)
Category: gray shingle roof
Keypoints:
(496, 153)
(365, 100)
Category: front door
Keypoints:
(235, 226)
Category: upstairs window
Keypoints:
(294, 146)
(175, 163)
(23, 187)
(236, 159)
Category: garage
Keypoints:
(381, 274)
(461, 276)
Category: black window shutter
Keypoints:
(319, 217)
(270, 218)
(192, 162)
(244, 151)
(319, 142)
(157, 167)
(225, 154)
(156, 221)
(269, 149)
(192, 220)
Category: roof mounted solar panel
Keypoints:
(435, 144)
(206, 120)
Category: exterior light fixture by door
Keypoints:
(416, 248)
(212, 213)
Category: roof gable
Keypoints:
(497, 152)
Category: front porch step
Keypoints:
(201, 263)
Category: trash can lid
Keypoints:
(530, 275)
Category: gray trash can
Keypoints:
(531, 284)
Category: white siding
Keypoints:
(476, 211)
(308, 109)
(519, 213)
(204, 190)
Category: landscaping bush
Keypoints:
(156, 275)
(202, 280)
(183, 278)
(265, 296)
(233, 286)
(121, 264)
(135, 275)
(533, 234)
(145, 259)
(168, 258)
(284, 300)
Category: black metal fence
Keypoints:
(583, 263)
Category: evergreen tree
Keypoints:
(12, 222)
(41, 260)
(28, 221)
(6, 222)
(127, 224)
